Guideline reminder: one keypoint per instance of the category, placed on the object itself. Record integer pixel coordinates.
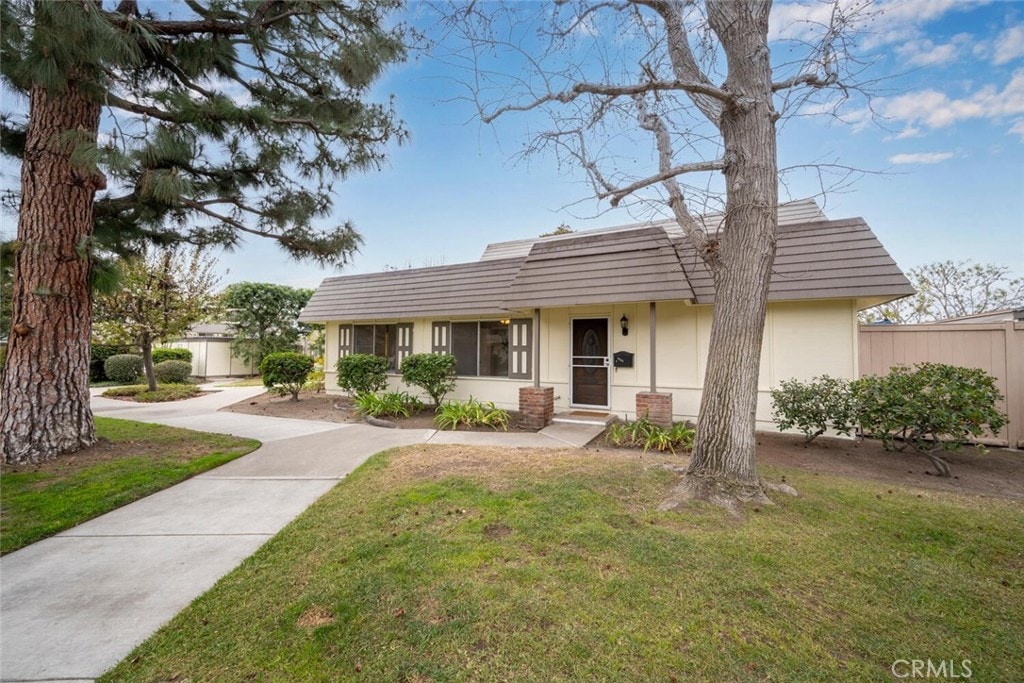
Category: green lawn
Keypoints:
(459, 564)
(140, 459)
(248, 382)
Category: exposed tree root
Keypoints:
(727, 493)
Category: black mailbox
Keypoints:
(623, 359)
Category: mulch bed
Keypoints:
(334, 408)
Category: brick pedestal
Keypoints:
(656, 406)
(537, 405)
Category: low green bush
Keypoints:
(649, 436)
(814, 407)
(362, 373)
(929, 406)
(98, 357)
(123, 367)
(167, 353)
(390, 404)
(434, 373)
(286, 372)
(317, 377)
(172, 371)
(471, 413)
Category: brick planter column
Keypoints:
(657, 406)
(537, 405)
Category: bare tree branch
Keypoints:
(676, 199)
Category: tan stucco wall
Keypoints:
(212, 358)
(802, 340)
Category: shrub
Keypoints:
(391, 404)
(471, 413)
(362, 373)
(123, 367)
(317, 377)
(814, 407)
(434, 373)
(98, 357)
(649, 436)
(929, 407)
(286, 372)
(172, 371)
(166, 353)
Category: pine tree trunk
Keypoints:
(44, 407)
(722, 468)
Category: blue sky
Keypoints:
(951, 145)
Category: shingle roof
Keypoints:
(610, 267)
(800, 211)
(462, 289)
(816, 259)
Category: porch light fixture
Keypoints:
(624, 324)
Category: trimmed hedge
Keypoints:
(172, 371)
(362, 373)
(166, 353)
(124, 368)
(433, 373)
(99, 355)
(286, 372)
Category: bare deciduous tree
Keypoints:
(952, 289)
(695, 83)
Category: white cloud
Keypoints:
(1018, 129)
(1009, 45)
(934, 109)
(921, 158)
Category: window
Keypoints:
(481, 349)
(393, 342)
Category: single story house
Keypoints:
(614, 320)
(210, 344)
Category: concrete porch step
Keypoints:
(585, 417)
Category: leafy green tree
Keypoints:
(265, 318)
(162, 294)
(952, 289)
(221, 119)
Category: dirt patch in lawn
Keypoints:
(335, 408)
(1000, 472)
(105, 451)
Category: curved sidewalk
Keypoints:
(75, 604)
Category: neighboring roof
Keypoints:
(211, 330)
(602, 267)
(800, 211)
(462, 289)
(1001, 316)
(816, 260)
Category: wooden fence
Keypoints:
(996, 348)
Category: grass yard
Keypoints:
(464, 564)
(247, 382)
(131, 461)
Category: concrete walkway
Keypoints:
(73, 605)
